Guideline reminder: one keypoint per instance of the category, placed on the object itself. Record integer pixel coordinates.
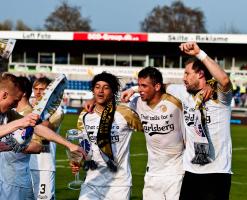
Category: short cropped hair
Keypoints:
(10, 82)
(155, 76)
(153, 73)
(44, 80)
(26, 86)
(197, 66)
(111, 79)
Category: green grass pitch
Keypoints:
(138, 163)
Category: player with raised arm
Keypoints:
(208, 147)
(208, 154)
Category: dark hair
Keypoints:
(26, 86)
(44, 80)
(153, 73)
(111, 79)
(197, 66)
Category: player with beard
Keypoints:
(208, 153)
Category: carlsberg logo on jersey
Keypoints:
(151, 126)
(153, 129)
(189, 116)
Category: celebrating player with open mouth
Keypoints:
(109, 129)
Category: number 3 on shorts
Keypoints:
(42, 188)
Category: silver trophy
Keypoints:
(74, 135)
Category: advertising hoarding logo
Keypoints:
(128, 37)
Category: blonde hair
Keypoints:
(44, 81)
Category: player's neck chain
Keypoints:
(97, 111)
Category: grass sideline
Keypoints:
(138, 163)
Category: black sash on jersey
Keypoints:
(201, 146)
(213, 84)
(202, 149)
(104, 135)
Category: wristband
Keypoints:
(201, 55)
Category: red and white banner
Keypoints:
(126, 37)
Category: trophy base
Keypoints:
(75, 185)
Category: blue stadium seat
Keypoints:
(79, 85)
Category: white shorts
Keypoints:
(162, 187)
(43, 184)
(90, 192)
(15, 193)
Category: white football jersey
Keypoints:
(124, 123)
(47, 160)
(218, 115)
(163, 130)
